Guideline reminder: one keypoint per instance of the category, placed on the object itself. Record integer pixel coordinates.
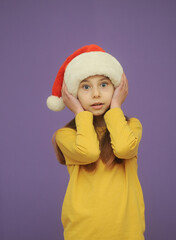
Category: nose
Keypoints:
(95, 92)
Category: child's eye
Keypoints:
(104, 84)
(86, 87)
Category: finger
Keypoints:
(122, 83)
(123, 78)
(124, 75)
(126, 85)
(64, 89)
(126, 80)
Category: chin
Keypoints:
(96, 114)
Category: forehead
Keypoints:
(95, 78)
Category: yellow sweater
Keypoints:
(106, 204)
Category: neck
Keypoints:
(99, 121)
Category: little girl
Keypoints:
(104, 199)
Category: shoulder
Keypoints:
(64, 132)
(134, 121)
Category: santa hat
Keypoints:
(87, 61)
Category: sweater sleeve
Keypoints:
(125, 135)
(80, 146)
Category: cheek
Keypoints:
(81, 98)
(110, 95)
(111, 92)
(79, 94)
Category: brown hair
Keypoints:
(106, 154)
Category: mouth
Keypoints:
(97, 105)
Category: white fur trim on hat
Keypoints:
(55, 103)
(90, 64)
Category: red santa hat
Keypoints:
(87, 61)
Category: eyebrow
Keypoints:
(103, 78)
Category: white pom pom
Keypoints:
(55, 103)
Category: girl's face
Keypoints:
(95, 94)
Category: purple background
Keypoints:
(36, 37)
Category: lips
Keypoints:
(97, 104)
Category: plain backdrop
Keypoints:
(36, 37)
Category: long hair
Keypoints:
(106, 152)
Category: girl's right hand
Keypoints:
(70, 101)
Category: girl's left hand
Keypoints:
(120, 93)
